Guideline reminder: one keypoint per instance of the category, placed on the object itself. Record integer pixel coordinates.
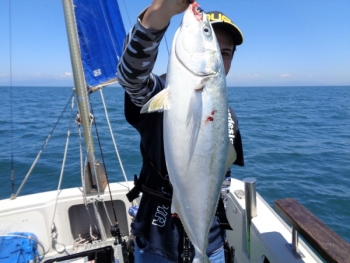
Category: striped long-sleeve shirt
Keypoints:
(136, 77)
(137, 62)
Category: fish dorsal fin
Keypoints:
(158, 103)
(231, 155)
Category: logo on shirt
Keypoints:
(160, 216)
(231, 128)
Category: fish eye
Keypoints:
(206, 30)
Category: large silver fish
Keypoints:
(195, 125)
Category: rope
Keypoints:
(53, 226)
(82, 172)
(54, 241)
(64, 159)
(94, 158)
(82, 240)
(99, 221)
(104, 166)
(32, 239)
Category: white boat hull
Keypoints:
(270, 236)
(34, 213)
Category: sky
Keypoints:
(286, 42)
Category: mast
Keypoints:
(80, 84)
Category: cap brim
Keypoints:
(231, 29)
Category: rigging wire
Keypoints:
(127, 13)
(11, 105)
(166, 43)
(41, 150)
(100, 227)
(112, 136)
(115, 229)
(165, 38)
(109, 30)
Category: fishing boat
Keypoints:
(91, 223)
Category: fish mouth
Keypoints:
(194, 56)
(197, 11)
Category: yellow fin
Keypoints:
(158, 103)
(231, 156)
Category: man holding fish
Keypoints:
(187, 132)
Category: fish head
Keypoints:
(196, 46)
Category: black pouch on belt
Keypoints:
(229, 252)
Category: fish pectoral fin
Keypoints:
(158, 103)
(202, 83)
(231, 156)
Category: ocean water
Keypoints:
(296, 143)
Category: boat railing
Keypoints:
(328, 244)
(250, 204)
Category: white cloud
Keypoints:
(248, 76)
(4, 75)
(66, 75)
(285, 75)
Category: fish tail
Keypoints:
(202, 259)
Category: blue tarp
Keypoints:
(18, 247)
(101, 35)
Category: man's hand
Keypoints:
(160, 12)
